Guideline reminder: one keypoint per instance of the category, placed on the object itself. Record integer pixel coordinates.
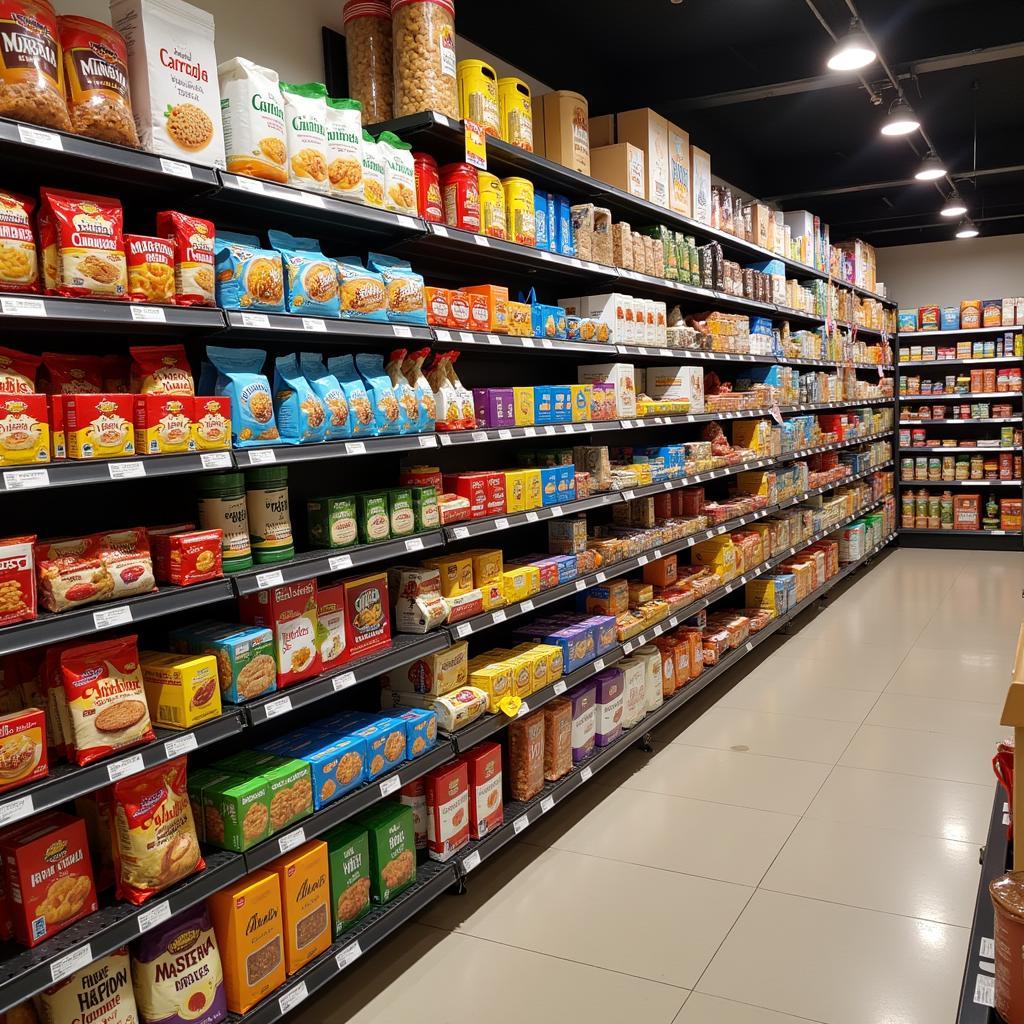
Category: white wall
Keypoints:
(943, 273)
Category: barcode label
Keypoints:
(344, 681)
(148, 314)
(297, 993)
(470, 861)
(277, 707)
(338, 562)
(275, 578)
(255, 320)
(355, 448)
(215, 460)
(126, 470)
(175, 167)
(110, 617)
(261, 456)
(294, 838)
(180, 745)
(154, 916)
(24, 479)
(35, 137)
(985, 990)
(71, 962)
(391, 785)
(520, 823)
(125, 767)
(348, 955)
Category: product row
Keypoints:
(919, 437)
(980, 381)
(1008, 345)
(1001, 466)
(926, 510)
(974, 411)
(969, 315)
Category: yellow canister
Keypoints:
(478, 95)
(519, 215)
(493, 221)
(515, 112)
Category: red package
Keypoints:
(20, 270)
(447, 790)
(161, 370)
(193, 239)
(90, 260)
(185, 557)
(483, 768)
(18, 372)
(17, 580)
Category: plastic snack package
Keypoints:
(18, 372)
(363, 293)
(194, 240)
(405, 299)
(446, 399)
(30, 76)
(252, 112)
(301, 416)
(374, 172)
(105, 984)
(311, 278)
(467, 407)
(89, 245)
(248, 277)
(242, 380)
(360, 410)
(150, 269)
(19, 262)
(399, 174)
(327, 388)
(345, 148)
(405, 393)
(412, 369)
(160, 370)
(390, 416)
(305, 110)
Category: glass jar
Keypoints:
(424, 57)
(222, 507)
(368, 49)
(270, 524)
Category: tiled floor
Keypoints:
(806, 850)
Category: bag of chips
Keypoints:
(301, 416)
(160, 370)
(248, 277)
(363, 294)
(241, 379)
(388, 414)
(404, 287)
(311, 279)
(330, 392)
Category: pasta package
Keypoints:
(412, 420)
(241, 379)
(412, 369)
(374, 172)
(363, 294)
(329, 391)
(248, 276)
(150, 269)
(19, 262)
(404, 287)
(300, 414)
(252, 115)
(311, 279)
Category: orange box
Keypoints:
(458, 310)
(438, 302)
(479, 314)
(247, 922)
(163, 423)
(98, 426)
(662, 572)
(304, 878)
(497, 305)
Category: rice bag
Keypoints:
(388, 414)
(311, 279)
(363, 295)
(247, 276)
(404, 289)
(360, 410)
(301, 416)
(241, 379)
(330, 392)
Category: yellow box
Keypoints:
(753, 434)
(456, 574)
(534, 490)
(304, 878)
(520, 319)
(23, 418)
(643, 473)
(582, 399)
(538, 664)
(492, 595)
(757, 482)
(487, 565)
(762, 594)
(522, 405)
(516, 487)
(554, 658)
(520, 668)
(520, 583)
(719, 553)
(495, 678)
(181, 690)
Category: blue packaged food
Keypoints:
(248, 277)
(241, 378)
(388, 414)
(301, 416)
(330, 392)
(360, 410)
(406, 303)
(311, 279)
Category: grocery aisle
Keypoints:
(805, 849)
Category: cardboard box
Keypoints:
(618, 374)
(566, 129)
(623, 166)
(483, 767)
(602, 131)
(648, 131)
(289, 611)
(303, 876)
(676, 383)
(700, 184)
(348, 855)
(447, 792)
(762, 222)
(679, 193)
(392, 849)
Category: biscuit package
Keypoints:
(392, 849)
(150, 270)
(236, 811)
(412, 369)
(154, 834)
(30, 69)
(414, 418)
(305, 114)
(363, 294)
(330, 392)
(176, 971)
(22, 747)
(17, 574)
(389, 415)
(105, 986)
(248, 277)
(404, 287)
(241, 379)
(301, 416)
(289, 611)
(399, 174)
(245, 657)
(311, 279)
(345, 148)
(19, 263)
(18, 372)
(252, 115)
(172, 67)
(194, 241)
(348, 852)
(360, 411)
(447, 791)
(160, 370)
(303, 876)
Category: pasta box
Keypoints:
(303, 876)
(290, 612)
(483, 767)
(584, 721)
(348, 856)
(392, 849)
(368, 616)
(447, 792)
(331, 619)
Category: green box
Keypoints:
(348, 854)
(332, 522)
(425, 508)
(197, 778)
(236, 811)
(373, 516)
(403, 521)
(291, 789)
(392, 849)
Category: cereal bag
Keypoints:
(360, 410)
(305, 109)
(373, 172)
(388, 414)
(252, 403)
(301, 416)
(406, 303)
(330, 392)
(150, 269)
(90, 259)
(17, 591)
(405, 393)
(30, 72)
(345, 148)
(105, 986)
(399, 174)
(177, 972)
(160, 370)
(155, 843)
(72, 374)
(311, 278)
(248, 277)
(252, 114)
(467, 407)
(193, 239)
(412, 369)
(19, 263)
(363, 295)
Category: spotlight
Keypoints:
(851, 52)
(954, 206)
(901, 120)
(931, 169)
(966, 229)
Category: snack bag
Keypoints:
(409, 406)
(399, 174)
(360, 410)
(363, 295)
(71, 374)
(194, 240)
(374, 172)
(18, 372)
(105, 984)
(160, 370)
(252, 112)
(412, 370)
(248, 277)
(467, 407)
(311, 278)
(300, 415)
(446, 401)
(90, 259)
(330, 392)
(305, 109)
(150, 269)
(345, 148)
(116, 375)
(388, 414)
(242, 380)
(19, 262)
(404, 287)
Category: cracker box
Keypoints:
(211, 423)
(303, 876)
(23, 754)
(436, 674)
(392, 849)
(336, 765)
(245, 658)
(289, 782)
(557, 739)
(447, 792)
(483, 769)
(332, 624)
(526, 756)
(163, 423)
(332, 522)
(420, 731)
(24, 430)
(98, 426)
(620, 375)
(414, 795)
(247, 921)
(348, 854)
(236, 811)
(289, 611)
(584, 721)
(181, 691)
(368, 614)
(186, 557)
(385, 739)
(608, 706)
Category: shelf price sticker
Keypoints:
(175, 167)
(126, 470)
(586, 774)
(274, 578)
(546, 804)
(295, 995)
(559, 688)
(71, 962)
(125, 767)
(294, 838)
(109, 617)
(391, 785)
(180, 745)
(344, 681)
(153, 916)
(315, 325)
(261, 456)
(349, 955)
(148, 314)
(520, 823)
(24, 479)
(35, 137)
(215, 460)
(15, 810)
(476, 145)
(281, 706)
(470, 861)
(338, 562)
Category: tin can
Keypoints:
(519, 210)
(460, 196)
(935, 469)
(515, 112)
(921, 468)
(428, 188)
(977, 467)
(493, 221)
(948, 467)
(478, 95)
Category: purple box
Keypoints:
(604, 635)
(608, 706)
(584, 721)
(603, 401)
(494, 407)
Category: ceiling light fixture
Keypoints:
(966, 229)
(901, 120)
(852, 51)
(954, 206)
(931, 169)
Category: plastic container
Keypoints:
(478, 95)
(428, 188)
(515, 112)
(519, 210)
(426, 71)
(460, 196)
(270, 524)
(368, 47)
(493, 220)
(222, 506)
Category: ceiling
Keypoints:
(817, 146)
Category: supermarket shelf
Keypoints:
(459, 437)
(29, 971)
(405, 648)
(248, 325)
(959, 330)
(961, 533)
(333, 449)
(958, 422)
(320, 563)
(52, 313)
(506, 343)
(51, 628)
(938, 449)
(345, 807)
(976, 993)
(968, 397)
(987, 360)
(498, 524)
(959, 483)
(70, 472)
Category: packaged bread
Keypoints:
(30, 71)
(252, 112)
(526, 756)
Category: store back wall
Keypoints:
(943, 273)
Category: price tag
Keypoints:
(482, 240)
(262, 456)
(71, 962)
(460, 532)
(505, 435)
(148, 314)
(338, 562)
(390, 785)
(281, 706)
(428, 441)
(344, 681)
(349, 955)
(525, 606)
(642, 559)
(493, 339)
(125, 470)
(532, 517)
(405, 221)
(498, 616)
(249, 184)
(125, 767)
(627, 424)
(439, 229)
(215, 460)
(546, 343)
(529, 343)
(545, 255)
(255, 320)
(355, 448)
(588, 427)
(275, 578)
(463, 629)
(401, 331)
(529, 431)
(476, 145)
(985, 990)
(295, 995)
(109, 617)
(16, 809)
(470, 861)
(480, 435)
(501, 524)
(510, 705)
(414, 544)
(601, 577)
(35, 137)
(546, 804)
(987, 949)
(586, 773)
(599, 665)
(581, 585)
(559, 688)
(443, 335)
(314, 325)
(628, 495)
(524, 709)
(154, 916)
(23, 479)
(520, 823)
(556, 511)
(180, 745)
(549, 430)
(308, 198)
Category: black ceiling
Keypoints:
(665, 55)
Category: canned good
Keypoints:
(460, 196)
(921, 468)
(519, 210)
(935, 469)
(428, 188)
(478, 95)
(948, 467)
(492, 205)
(515, 112)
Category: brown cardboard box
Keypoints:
(648, 131)
(622, 166)
(566, 130)
(679, 170)
(763, 221)
(602, 131)
(700, 184)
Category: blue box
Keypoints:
(420, 731)
(561, 403)
(543, 403)
(540, 216)
(566, 565)
(950, 318)
(548, 321)
(330, 779)
(566, 483)
(552, 223)
(604, 632)
(565, 242)
(549, 485)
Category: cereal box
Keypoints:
(17, 580)
(245, 658)
(483, 767)
(23, 748)
(104, 986)
(305, 903)
(181, 691)
(247, 920)
(366, 605)
(348, 852)
(290, 612)
(24, 430)
(98, 426)
(163, 423)
(236, 811)
(447, 791)
(392, 849)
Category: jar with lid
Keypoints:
(428, 188)
(460, 196)
(515, 112)
(424, 57)
(368, 49)
(946, 511)
(222, 507)
(270, 524)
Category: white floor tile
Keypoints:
(932, 714)
(799, 695)
(865, 672)
(954, 675)
(702, 1009)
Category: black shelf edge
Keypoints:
(506, 342)
(970, 360)
(110, 927)
(405, 648)
(487, 435)
(907, 335)
(333, 449)
(937, 449)
(248, 325)
(39, 311)
(961, 533)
